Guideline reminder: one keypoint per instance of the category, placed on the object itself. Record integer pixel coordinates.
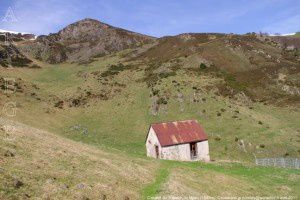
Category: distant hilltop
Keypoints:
(20, 35)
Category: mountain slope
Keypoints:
(81, 41)
(116, 101)
(248, 63)
(10, 54)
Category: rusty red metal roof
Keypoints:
(179, 132)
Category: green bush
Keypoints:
(114, 70)
(162, 100)
(203, 66)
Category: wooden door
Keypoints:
(193, 148)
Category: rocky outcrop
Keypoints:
(45, 48)
(11, 56)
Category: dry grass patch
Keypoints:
(56, 168)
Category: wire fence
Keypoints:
(279, 162)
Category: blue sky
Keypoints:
(156, 17)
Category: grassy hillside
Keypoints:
(38, 164)
(244, 92)
(116, 110)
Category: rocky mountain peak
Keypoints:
(82, 40)
(84, 27)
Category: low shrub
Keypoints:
(203, 66)
(262, 146)
(114, 70)
(218, 138)
(162, 100)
